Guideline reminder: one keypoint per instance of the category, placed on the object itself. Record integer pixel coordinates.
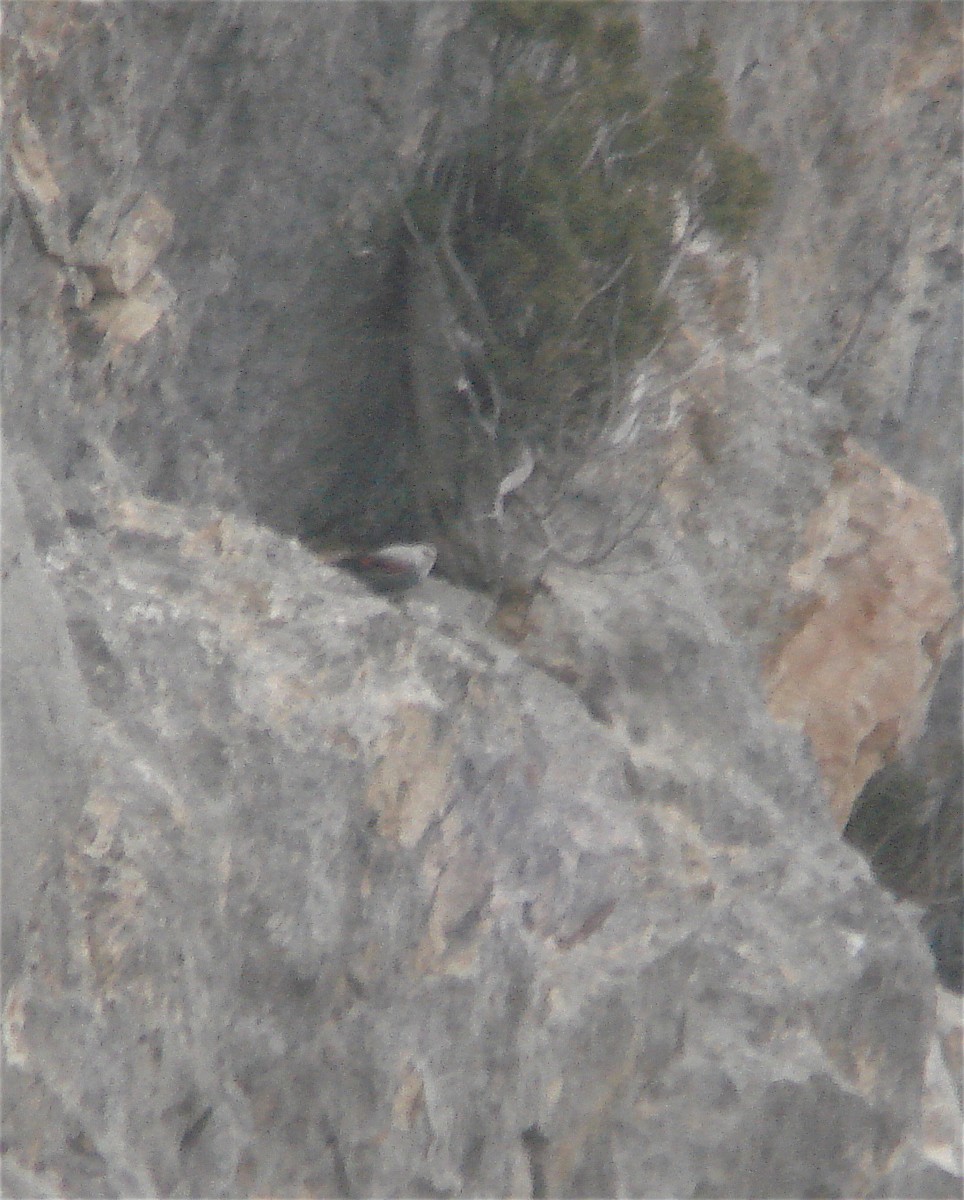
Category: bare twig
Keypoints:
(613, 278)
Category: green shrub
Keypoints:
(695, 108)
(737, 192)
(561, 211)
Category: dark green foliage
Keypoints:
(731, 187)
(561, 212)
(912, 840)
(737, 192)
(909, 828)
(695, 108)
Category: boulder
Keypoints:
(361, 901)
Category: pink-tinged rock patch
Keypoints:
(876, 619)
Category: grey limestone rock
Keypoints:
(363, 903)
(855, 111)
(46, 727)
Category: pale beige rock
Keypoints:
(127, 319)
(876, 619)
(950, 1035)
(941, 1100)
(36, 182)
(139, 239)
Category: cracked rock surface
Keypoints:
(361, 902)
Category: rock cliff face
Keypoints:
(855, 110)
(308, 891)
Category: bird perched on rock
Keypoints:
(391, 569)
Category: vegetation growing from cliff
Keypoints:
(566, 217)
(913, 839)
